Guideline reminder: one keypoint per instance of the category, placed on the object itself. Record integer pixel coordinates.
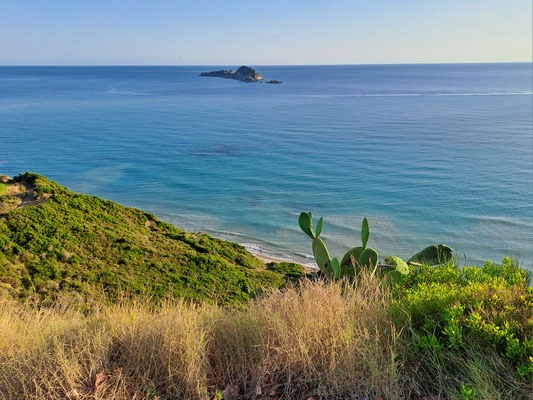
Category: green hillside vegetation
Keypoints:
(93, 247)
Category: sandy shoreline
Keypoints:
(268, 259)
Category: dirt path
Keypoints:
(26, 198)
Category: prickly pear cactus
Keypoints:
(348, 268)
(318, 226)
(363, 256)
(398, 264)
(320, 251)
(432, 255)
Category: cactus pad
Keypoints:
(354, 252)
(398, 264)
(336, 268)
(368, 257)
(365, 232)
(320, 251)
(432, 255)
(306, 223)
(319, 226)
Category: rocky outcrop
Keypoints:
(245, 74)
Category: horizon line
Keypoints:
(264, 65)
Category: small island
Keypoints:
(245, 74)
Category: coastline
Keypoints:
(267, 259)
(265, 252)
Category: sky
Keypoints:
(268, 32)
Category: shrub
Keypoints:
(291, 271)
(458, 318)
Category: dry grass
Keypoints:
(315, 340)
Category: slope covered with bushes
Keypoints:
(82, 244)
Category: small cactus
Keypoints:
(364, 257)
(320, 251)
(353, 252)
(365, 232)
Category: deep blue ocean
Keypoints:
(428, 153)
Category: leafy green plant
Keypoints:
(454, 316)
(400, 269)
(291, 271)
(467, 392)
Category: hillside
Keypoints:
(53, 240)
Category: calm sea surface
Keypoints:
(429, 153)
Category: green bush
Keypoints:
(291, 271)
(458, 318)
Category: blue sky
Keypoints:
(234, 32)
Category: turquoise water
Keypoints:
(429, 153)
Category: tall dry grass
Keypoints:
(313, 340)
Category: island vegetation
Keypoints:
(101, 301)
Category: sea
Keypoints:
(429, 153)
